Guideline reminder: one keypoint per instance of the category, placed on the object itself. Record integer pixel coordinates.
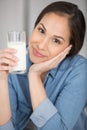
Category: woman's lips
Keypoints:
(36, 53)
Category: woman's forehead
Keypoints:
(56, 24)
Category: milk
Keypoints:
(21, 54)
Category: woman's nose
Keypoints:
(43, 44)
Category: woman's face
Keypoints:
(49, 38)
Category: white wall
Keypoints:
(21, 15)
(11, 18)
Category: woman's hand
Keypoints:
(7, 61)
(48, 65)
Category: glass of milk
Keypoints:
(17, 40)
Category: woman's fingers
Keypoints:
(7, 59)
(52, 63)
(56, 60)
(5, 68)
(7, 62)
(8, 50)
(8, 53)
(64, 53)
(8, 56)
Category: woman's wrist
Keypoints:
(3, 76)
(33, 75)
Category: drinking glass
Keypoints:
(17, 40)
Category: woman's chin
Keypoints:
(35, 60)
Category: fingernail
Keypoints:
(70, 46)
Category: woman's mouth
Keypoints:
(38, 54)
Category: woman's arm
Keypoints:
(38, 94)
(37, 90)
(65, 112)
(5, 112)
(7, 61)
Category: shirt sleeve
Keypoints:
(19, 109)
(43, 113)
(7, 126)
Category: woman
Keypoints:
(52, 93)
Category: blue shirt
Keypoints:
(66, 88)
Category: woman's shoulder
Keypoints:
(78, 64)
(78, 59)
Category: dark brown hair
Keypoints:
(76, 22)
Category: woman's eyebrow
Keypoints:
(43, 26)
(59, 37)
(54, 35)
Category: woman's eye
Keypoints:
(41, 30)
(56, 41)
